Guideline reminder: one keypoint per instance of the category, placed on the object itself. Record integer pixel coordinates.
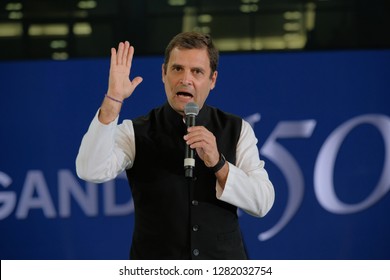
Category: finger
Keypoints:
(197, 128)
(136, 81)
(199, 145)
(130, 56)
(125, 52)
(200, 141)
(200, 132)
(194, 136)
(210, 153)
(113, 57)
(120, 53)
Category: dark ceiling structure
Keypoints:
(64, 29)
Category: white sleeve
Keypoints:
(105, 150)
(248, 186)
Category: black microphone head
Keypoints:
(191, 108)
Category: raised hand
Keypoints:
(120, 86)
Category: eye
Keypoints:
(176, 68)
(197, 71)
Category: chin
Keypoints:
(177, 106)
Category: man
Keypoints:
(177, 217)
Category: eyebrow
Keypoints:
(176, 65)
(200, 69)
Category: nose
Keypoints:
(185, 82)
(186, 79)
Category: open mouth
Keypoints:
(184, 94)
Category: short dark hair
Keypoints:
(193, 40)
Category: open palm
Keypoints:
(120, 86)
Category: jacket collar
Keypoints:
(176, 119)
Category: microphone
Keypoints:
(191, 110)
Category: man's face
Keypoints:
(187, 78)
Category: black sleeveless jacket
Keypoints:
(175, 217)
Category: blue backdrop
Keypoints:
(323, 124)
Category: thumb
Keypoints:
(136, 81)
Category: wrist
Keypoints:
(220, 164)
(112, 98)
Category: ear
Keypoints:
(213, 80)
(163, 73)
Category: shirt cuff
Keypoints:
(219, 190)
(96, 121)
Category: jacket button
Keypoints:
(195, 252)
(195, 227)
(195, 202)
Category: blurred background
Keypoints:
(63, 29)
(311, 77)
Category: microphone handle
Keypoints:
(189, 159)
